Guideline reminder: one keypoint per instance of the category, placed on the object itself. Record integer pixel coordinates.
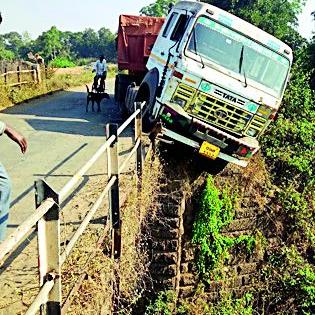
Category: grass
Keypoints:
(95, 294)
(10, 96)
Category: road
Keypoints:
(61, 138)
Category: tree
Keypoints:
(13, 42)
(6, 54)
(107, 43)
(159, 8)
(49, 43)
(311, 57)
(277, 17)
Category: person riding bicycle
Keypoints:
(100, 68)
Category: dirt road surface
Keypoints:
(61, 137)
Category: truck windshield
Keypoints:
(233, 51)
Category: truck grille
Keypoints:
(220, 113)
(185, 92)
(258, 123)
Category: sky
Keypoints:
(37, 16)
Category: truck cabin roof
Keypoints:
(236, 23)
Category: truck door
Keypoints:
(168, 40)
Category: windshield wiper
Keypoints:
(240, 66)
(196, 50)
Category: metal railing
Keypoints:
(47, 218)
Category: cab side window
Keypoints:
(170, 24)
(180, 27)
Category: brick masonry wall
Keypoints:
(173, 254)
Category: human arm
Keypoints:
(95, 66)
(14, 136)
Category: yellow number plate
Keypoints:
(209, 150)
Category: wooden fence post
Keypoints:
(49, 247)
(5, 75)
(138, 135)
(18, 74)
(38, 72)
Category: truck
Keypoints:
(208, 79)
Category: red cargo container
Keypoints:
(136, 36)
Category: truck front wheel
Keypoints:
(148, 121)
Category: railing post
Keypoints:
(34, 75)
(49, 247)
(112, 162)
(138, 135)
(114, 211)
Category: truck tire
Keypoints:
(122, 82)
(148, 121)
(130, 99)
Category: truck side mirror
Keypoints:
(170, 7)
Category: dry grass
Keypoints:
(10, 96)
(95, 294)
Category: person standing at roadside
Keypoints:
(5, 184)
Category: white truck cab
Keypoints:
(220, 81)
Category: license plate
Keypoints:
(209, 150)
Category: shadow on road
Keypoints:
(65, 113)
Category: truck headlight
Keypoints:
(264, 111)
(179, 101)
(252, 132)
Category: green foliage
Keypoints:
(163, 305)
(49, 43)
(216, 212)
(226, 305)
(6, 54)
(302, 282)
(55, 43)
(290, 145)
(61, 62)
(296, 279)
(158, 8)
(299, 208)
(230, 306)
(277, 17)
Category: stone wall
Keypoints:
(173, 254)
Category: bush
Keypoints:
(230, 306)
(294, 277)
(62, 62)
(290, 145)
(216, 212)
(84, 61)
(163, 305)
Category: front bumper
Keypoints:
(193, 131)
(173, 135)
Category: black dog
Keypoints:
(95, 96)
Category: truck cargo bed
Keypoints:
(136, 36)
